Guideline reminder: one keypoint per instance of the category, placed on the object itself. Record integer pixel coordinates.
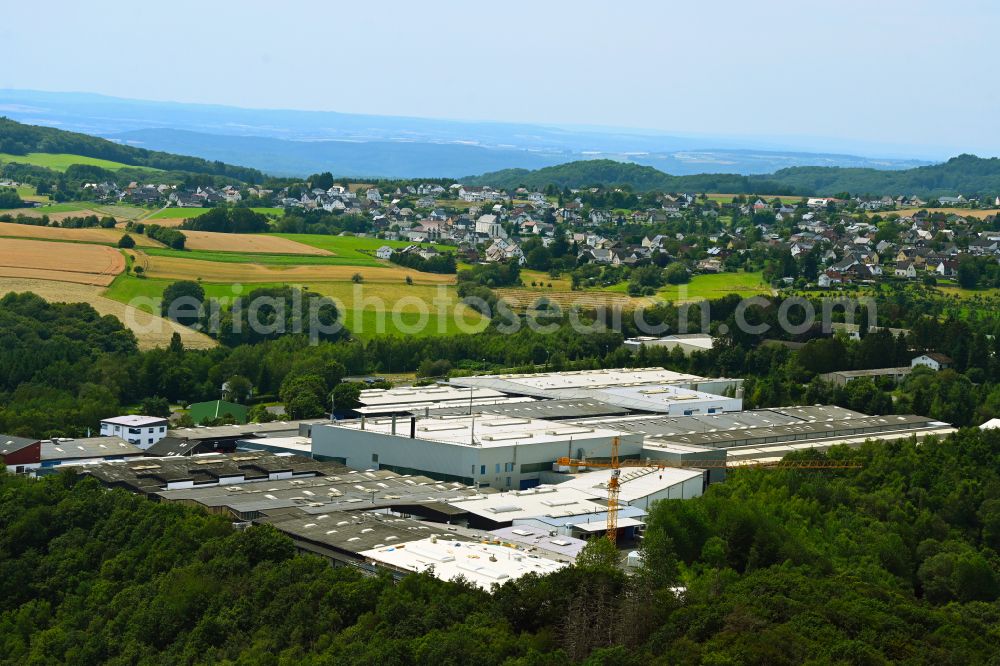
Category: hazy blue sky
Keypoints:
(882, 73)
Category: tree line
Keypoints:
(894, 563)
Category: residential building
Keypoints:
(932, 360)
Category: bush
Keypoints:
(169, 237)
(10, 199)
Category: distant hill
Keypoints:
(966, 174)
(587, 173)
(297, 143)
(360, 159)
(20, 139)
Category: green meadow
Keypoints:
(368, 308)
(716, 285)
(62, 161)
(174, 213)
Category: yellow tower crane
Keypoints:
(616, 465)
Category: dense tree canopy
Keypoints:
(965, 173)
(896, 562)
(228, 220)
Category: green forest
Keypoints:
(965, 174)
(894, 563)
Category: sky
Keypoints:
(900, 77)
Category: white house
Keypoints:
(489, 225)
(384, 252)
(932, 360)
(374, 195)
(141, 431)
(905, 269)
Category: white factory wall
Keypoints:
(686, 489)
(495, 466)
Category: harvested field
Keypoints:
(212, 240)
(103, 236)
(963, 212)
(164, 221)
(69, 262)
(177, 268)
(520, 299)
(54, 215)
(151, 331)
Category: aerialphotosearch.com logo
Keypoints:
(300, 311)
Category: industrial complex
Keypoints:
(488, 477)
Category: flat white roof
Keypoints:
(298, 444)
(532, 536)
(410, 405)
(600, 527)
(135, 420)
(485, 430)
(428, 394)
(482, 564)
(548, 500)
(542, 383)
(635, 483)
(658, 397)
(700, 340)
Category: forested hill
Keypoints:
(965, 174)
(610, 173)
(893, 563)
(20, 139)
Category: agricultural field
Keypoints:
(542, 281)
(964, 212)
(73, 207)
(28, 193)
(253, 257)
(354, 250)
(150, 331)
(728, 198)
(91, 235)
(213, 241)
(66, 262)
(954, 290)
(178, 265)
(522, 299)
(62, 161)
(715, 285)
(370, 308)
(57, 212)
(121, 212)
(189, 213)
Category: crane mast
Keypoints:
(613, 490)
(616, 465)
